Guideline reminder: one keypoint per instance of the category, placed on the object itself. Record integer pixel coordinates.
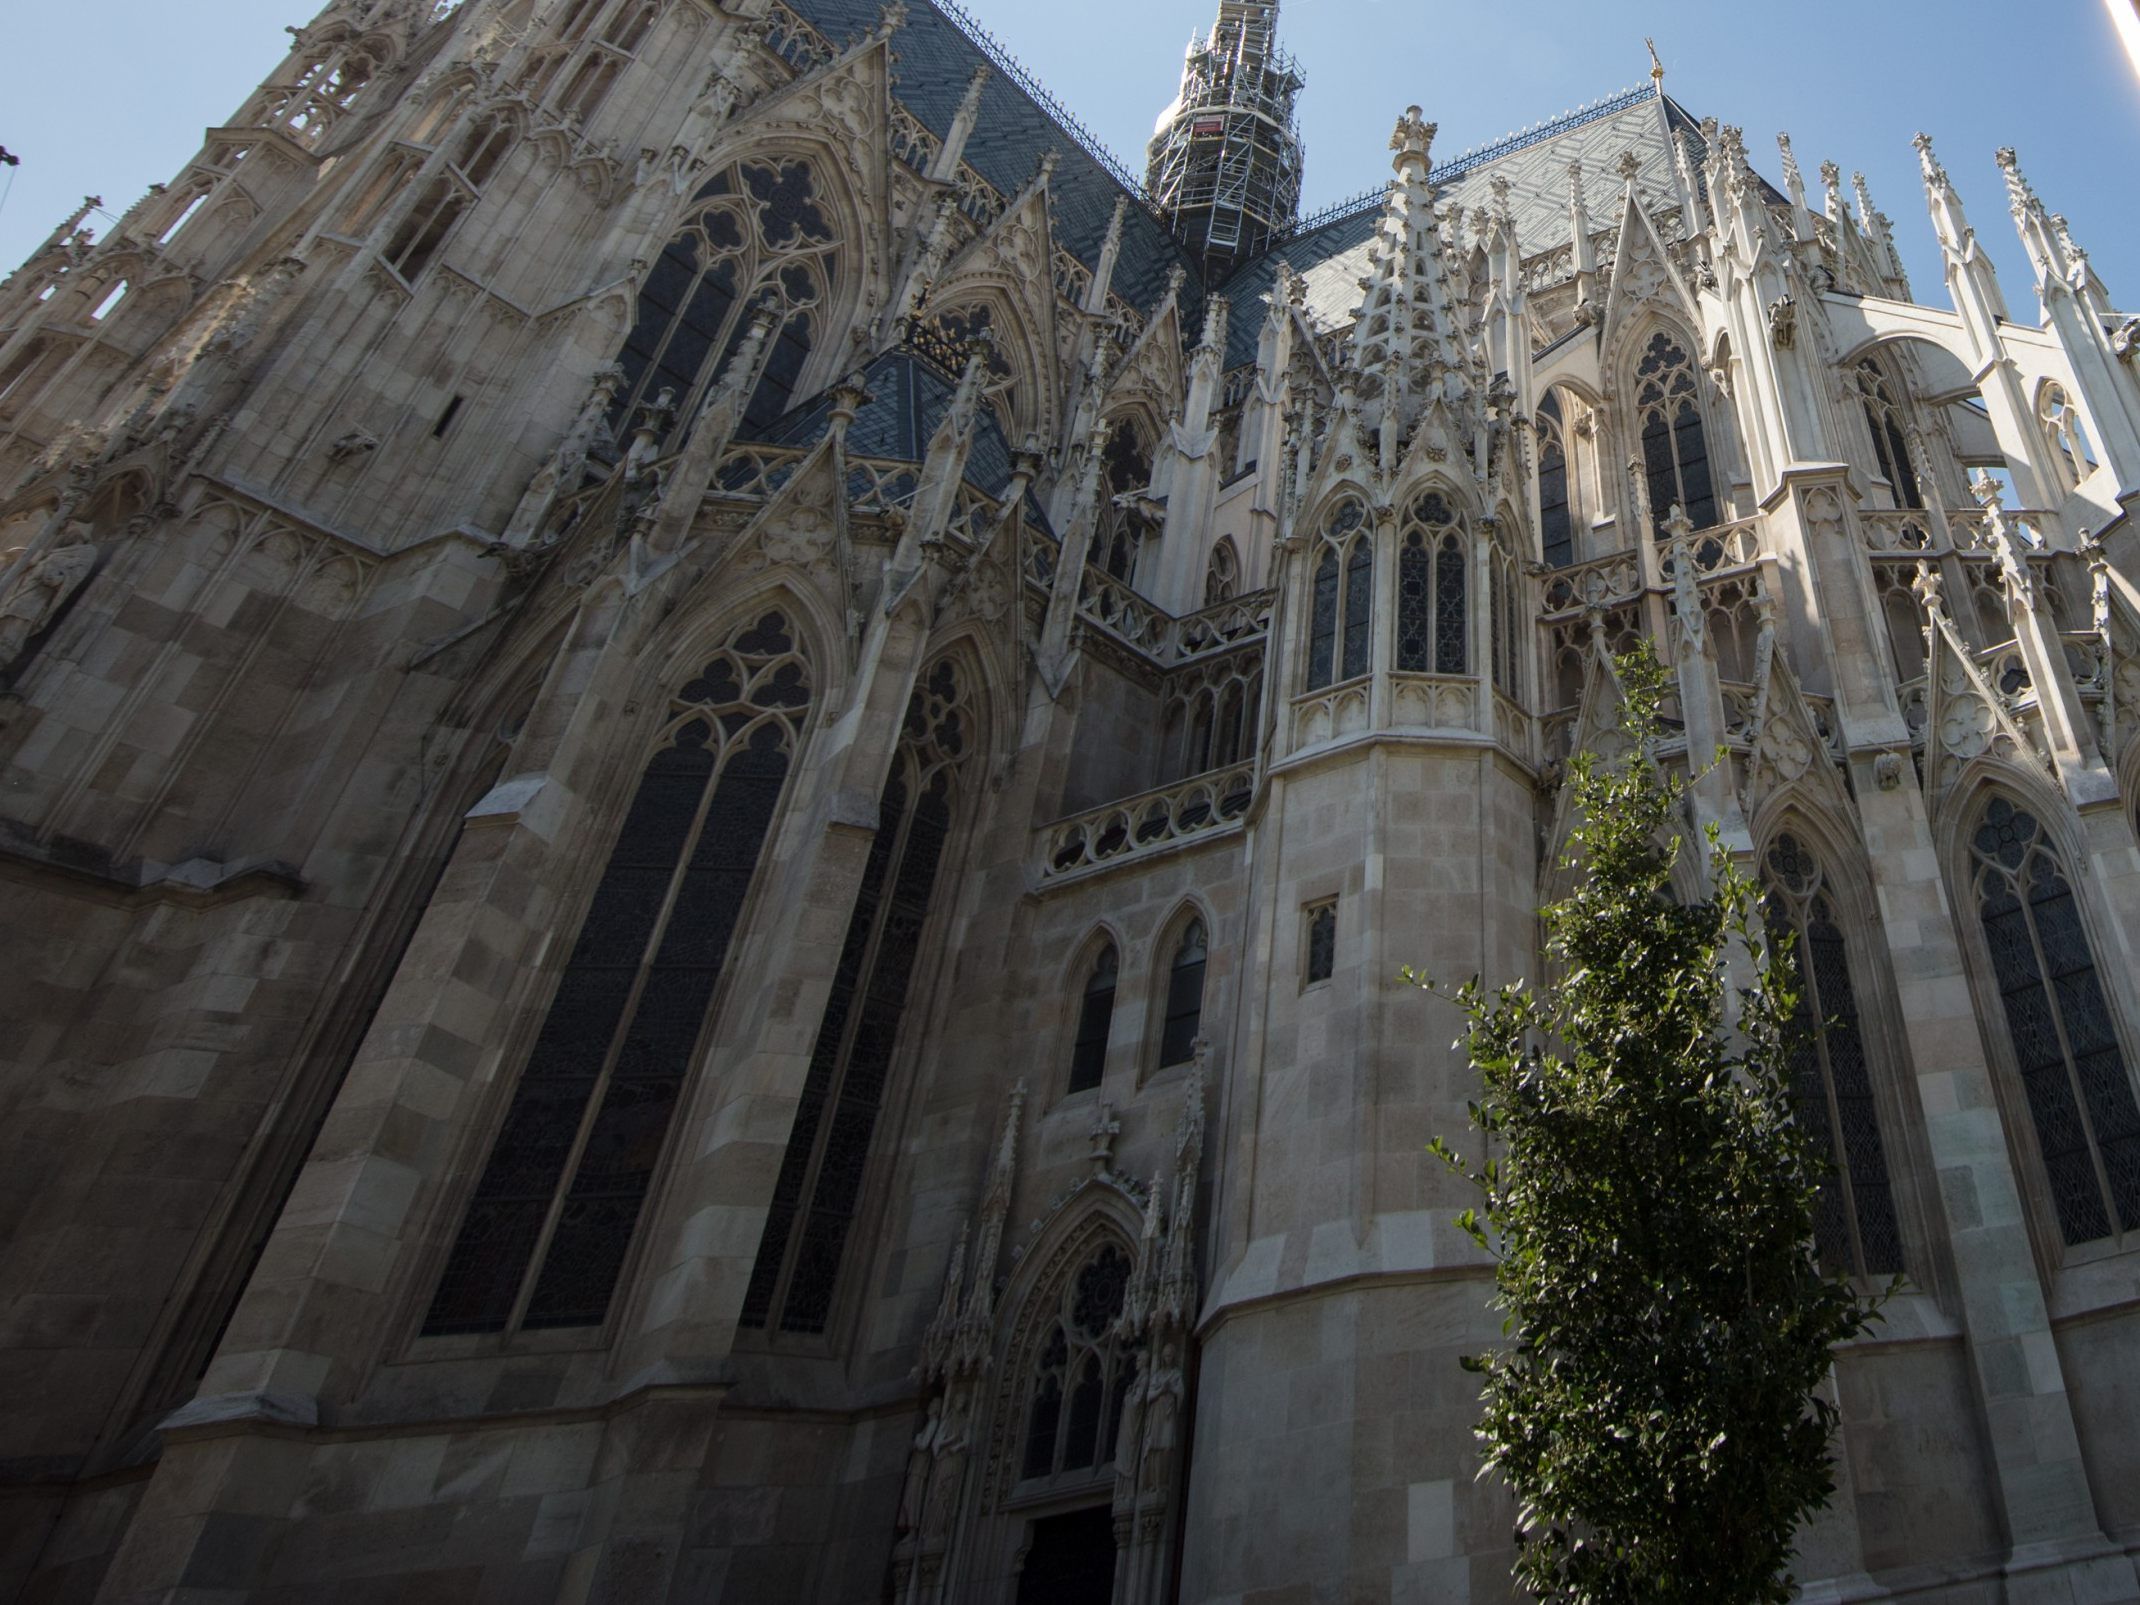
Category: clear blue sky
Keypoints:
(105, 96)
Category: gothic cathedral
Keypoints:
(715, 758)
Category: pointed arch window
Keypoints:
(819, 1187)
(1222, 575)
(1556, 510)
(1184, 1021)
(2078, 1085)
(1855, 1224)
(423, 232)
(2063, 429)
(546, 1234)
(1433, 602)
(1082, 1376)
(1341, 618)
(1675, 443)
(1891, 446)
(1126, 468)
(757, 234)
(1095, 1020)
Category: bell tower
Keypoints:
(1225, 159)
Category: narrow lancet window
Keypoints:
(2073, 1070)
(1832, 1086)
(819, 1188)
(546, 1235)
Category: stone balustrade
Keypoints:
(1148, 823)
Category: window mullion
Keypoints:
(599, 1094)
(2049, 981)
(836, 1083)
(1838, 1144)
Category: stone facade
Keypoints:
(712, 781)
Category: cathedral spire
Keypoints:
(1225, 159)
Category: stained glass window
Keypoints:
(1556, 517)
(1322, 627)
(756, 234)
(1222, 576)
(1855, 1224)
(1096, 1015)
(1082, 1375)
(1341, 624)
(1322, 942)
(1126, 468)
(1675, 445)
(2073, 1072)
(818, 1190)
(546, 1234)
(1185, 998)
(1432, 604)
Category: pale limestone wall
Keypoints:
(275, 968)
(1354, 1388)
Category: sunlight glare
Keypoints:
(2126, 16)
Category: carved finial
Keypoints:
(1934, 173)
(1926, 588)
(1215, 314)
(891, 17)
(1866, 209)
(1792, 178)
(1630, 165)
(2020, 199)
(1831, 180)
(1988, 492)
(1412, 140)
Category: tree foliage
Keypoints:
(1649, 1203)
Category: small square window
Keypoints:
(1322, 942)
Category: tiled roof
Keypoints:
(908, 397)
(1014, 130)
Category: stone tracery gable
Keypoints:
(840, 117)
(1150, 375)
(1007, 270)
(1789, 752)
(1644, 282)
(1965, 718)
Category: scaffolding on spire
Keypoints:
(1225, 159)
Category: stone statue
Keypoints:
(914, 1494)
(946, 1480)
(42, 591)
(1162, 1419)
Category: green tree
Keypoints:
(1649, 1203)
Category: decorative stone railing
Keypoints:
(1142, 825)
(1042, 552)
(1331, 713)
(1601, 580)
(881, 487)
(1434, 702)
(756, 471)
(1905, 531)
(1734, 545)
(1126, 615)
(1221, 627)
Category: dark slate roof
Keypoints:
(936, 62)
(909, 396)
(1626, 119)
